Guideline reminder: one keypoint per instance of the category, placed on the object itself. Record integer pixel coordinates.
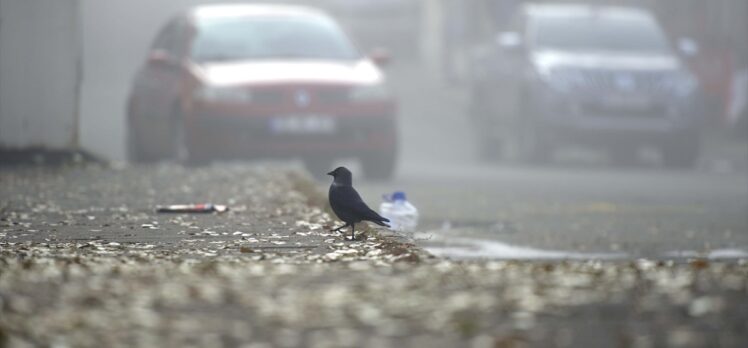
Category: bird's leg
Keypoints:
(339, 228)
(353, 232)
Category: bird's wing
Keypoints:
(359, 207)
(342, 199)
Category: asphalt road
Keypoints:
(580, 204)
(85, 261)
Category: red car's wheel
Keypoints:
(136, 153)
(180, 150)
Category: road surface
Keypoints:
(580, 204)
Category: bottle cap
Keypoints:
(395, 196)
(398, 196)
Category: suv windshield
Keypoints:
(599, 33)
(229, 39)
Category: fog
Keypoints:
(643, 101)
(554, 173)
(446, 57)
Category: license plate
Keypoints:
(303, 124)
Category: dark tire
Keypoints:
(681, 151)
(488, 145)
(529, 143)
(179, 150)
(134, 151)
(134, 147)
(532, 146)
(533, 149)
(379, 166)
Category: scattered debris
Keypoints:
(192, 208)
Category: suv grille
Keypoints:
(625, 81)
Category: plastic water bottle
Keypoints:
(403, 216)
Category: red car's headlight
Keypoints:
(370, 93)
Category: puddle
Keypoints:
(471, 248)
(477, 248)
(714, 254)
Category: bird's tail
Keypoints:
(381, 223)
(378, 219)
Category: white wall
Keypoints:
(66, 68)
(38, 73)
(116, 36)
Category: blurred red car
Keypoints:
(248, 81)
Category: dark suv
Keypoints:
(584, 75)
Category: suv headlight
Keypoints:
(232, 94)
(368, 93)
(682, 84)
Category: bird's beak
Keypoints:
(331, 173)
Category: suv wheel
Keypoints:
(488, 146)
(532, 146)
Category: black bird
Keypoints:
(347, 203)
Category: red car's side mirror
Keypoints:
(380, 57)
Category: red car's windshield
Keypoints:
(232, 39)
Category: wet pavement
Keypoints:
(651, 213)
(85, 261)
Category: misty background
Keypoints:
(66, 65)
